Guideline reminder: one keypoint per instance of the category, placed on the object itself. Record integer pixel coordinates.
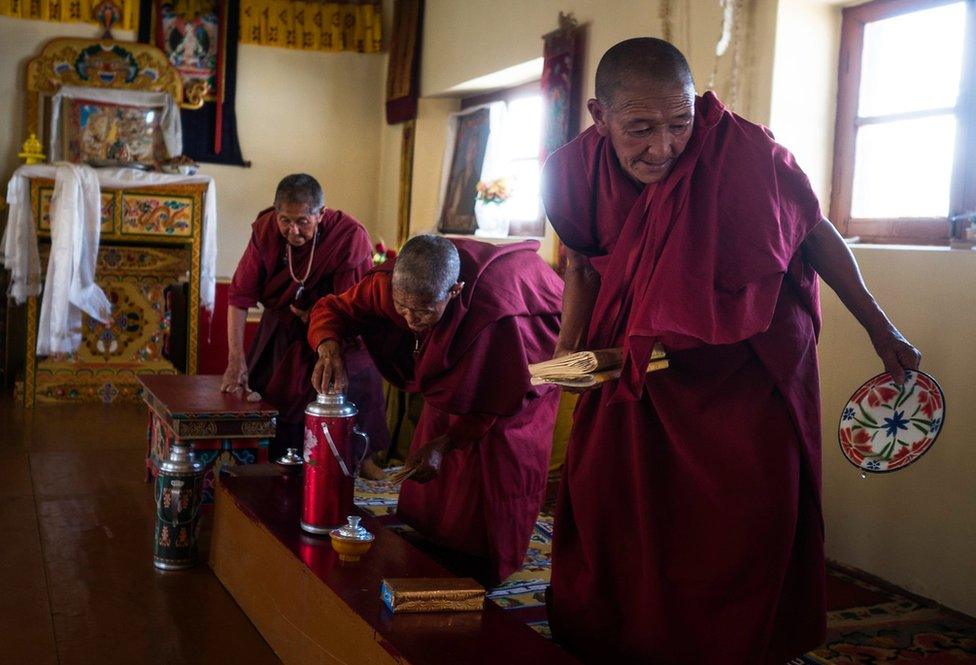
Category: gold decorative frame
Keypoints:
(102, 63)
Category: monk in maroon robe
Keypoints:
(688, 527)
(299, 251)
(459, 321)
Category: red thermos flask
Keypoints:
(334, 449)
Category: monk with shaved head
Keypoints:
(458, 321)
(688, 525)
(299, 251)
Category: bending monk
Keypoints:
(459, 321)
(299, 251)
(688, 524)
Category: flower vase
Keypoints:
(492, 220)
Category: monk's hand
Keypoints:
(300, 313)
(896, 352)
(330, 368)
(235, 377)
(425, 462)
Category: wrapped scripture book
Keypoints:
(586, 369)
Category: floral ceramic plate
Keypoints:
(885, 427)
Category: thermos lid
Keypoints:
(352, 531)
(331, 404)
(290, 458)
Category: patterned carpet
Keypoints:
(868, 623)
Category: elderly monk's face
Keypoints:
(649, 125)
(420, 313)
(297, 222)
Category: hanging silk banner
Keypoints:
(356, 25)
(403, 73)
(68, 11)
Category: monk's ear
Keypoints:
(456, 289)
(599, 114)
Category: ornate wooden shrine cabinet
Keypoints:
(149, 257)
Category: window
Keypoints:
(905, 143)
(520, 145)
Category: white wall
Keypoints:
(296, 111)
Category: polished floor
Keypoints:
(77, 584)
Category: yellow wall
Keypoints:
(804, 91)
(296, 111)
(467, 39)
(915, 527)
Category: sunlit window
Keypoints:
(902, 121)
(523, 134)
(906, 113)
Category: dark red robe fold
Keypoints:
(688, 524)
(280, 361)
(472, 371)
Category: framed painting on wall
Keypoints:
(467, 160)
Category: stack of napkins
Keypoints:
(586, 369)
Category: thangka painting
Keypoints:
(471, 143)
(199, 37)
(100, 133)
(188, 32)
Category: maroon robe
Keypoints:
(472, 371)
(280, 361)
(688, 526)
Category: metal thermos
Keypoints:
(179, 494)
(332, 459)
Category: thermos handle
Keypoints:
(358, 432)
(335, 451)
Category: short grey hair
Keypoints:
(427, 266)
(641, 58)
(300, 188)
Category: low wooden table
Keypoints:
(313, 608)
(223, 428)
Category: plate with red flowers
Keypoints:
(885, 427)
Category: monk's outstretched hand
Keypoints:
(427, 459)
(896, 352)
(235, 377)
(330, 369)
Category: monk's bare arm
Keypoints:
(334, 319)
(832, 259)
(579, 297)
(235, 376)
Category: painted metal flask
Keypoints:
(179, 495)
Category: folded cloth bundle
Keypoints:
(585, 369)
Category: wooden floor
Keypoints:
(77, 584)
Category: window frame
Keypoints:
(962, 198)
(508, 95)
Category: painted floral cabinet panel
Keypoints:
(157, 214)
(43, 209)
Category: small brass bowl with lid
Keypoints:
(351, 541)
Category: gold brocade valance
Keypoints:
(68, 11)
(312, 25)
